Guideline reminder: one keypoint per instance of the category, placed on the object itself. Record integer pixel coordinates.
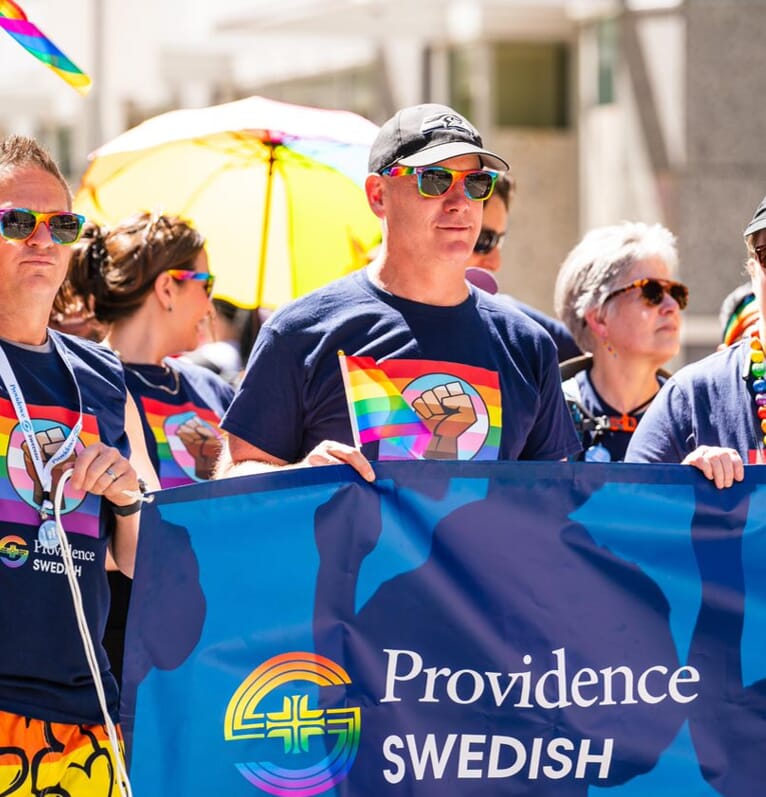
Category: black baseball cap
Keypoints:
(422, 135)
(758, 222)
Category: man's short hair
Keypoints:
(17, 152)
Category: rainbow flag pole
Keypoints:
(14, 22)
(349, 402)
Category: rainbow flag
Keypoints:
(744, 317)
(377, 410)
(14, 21)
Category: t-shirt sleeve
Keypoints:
(553, 435)
(665, 433)
(267, 409)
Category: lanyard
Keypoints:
(43, 469)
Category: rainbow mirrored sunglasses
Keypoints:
(18, 224)
(183, 274)
(653, 291)
(435, 181)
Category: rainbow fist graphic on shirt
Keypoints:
(18, 479)
(188, 441)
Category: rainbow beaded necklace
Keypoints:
(757, 370)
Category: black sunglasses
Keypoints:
(653, 291)
(760, 255)
(488, 240)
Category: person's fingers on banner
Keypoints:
(331, 453)
(723, 466)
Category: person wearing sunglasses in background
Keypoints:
(486, 259)
(459, 349)
(148, 283)
(712, 413)
(616, 294)
(63, 406)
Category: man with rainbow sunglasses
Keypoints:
(430, 367)
(71, 451)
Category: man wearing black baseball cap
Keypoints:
(433, 367)
(712, 413)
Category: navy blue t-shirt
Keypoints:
(615, 441)
(43, 669)
(565, 343)
(705, 403)
(292, 396)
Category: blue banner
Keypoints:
(452, 629)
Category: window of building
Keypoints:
(459, 64)
(531, 84)
(352, 89)
(606, 47)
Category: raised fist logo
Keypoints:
(202, 443)
(49, 443)
(447, 411)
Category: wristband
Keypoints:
(130, 509)
(125, 511)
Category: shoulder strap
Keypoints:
(574, 365)
(572, 390)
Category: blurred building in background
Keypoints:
(606, 109)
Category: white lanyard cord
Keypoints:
(87, 640)
(44, 470)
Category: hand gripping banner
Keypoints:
(453, 629)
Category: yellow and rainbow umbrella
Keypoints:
(276, 189)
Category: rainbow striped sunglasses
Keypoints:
(184, 274)
(435, 181)
(18, 224)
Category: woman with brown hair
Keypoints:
(147, 281)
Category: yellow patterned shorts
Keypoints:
(38, 757)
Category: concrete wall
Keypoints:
(725, 176)
(543, 223)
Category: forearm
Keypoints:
(124, 542)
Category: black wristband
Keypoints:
(130, 509)
(125, 511)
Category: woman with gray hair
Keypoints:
(615, 294)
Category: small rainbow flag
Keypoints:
(744, 317)
(377, 410)
(14, 21)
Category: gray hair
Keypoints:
(599, 264)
